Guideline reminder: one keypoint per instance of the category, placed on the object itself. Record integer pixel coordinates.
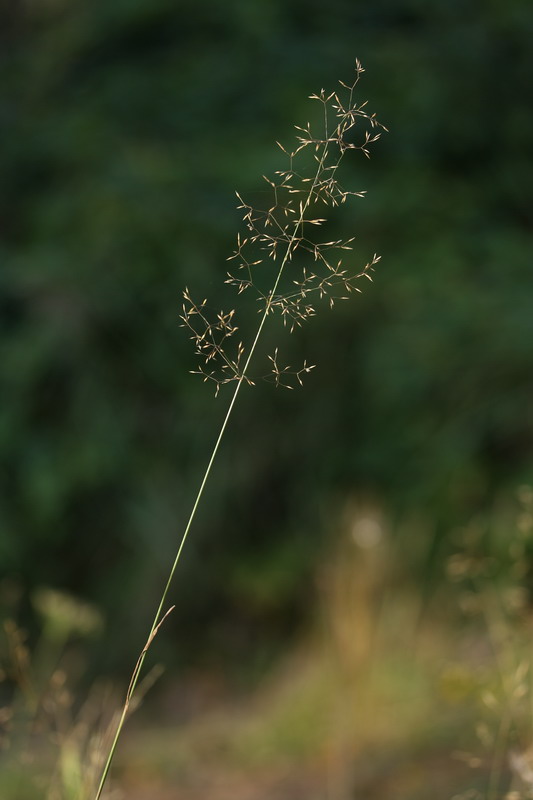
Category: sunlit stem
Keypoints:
(158, 619)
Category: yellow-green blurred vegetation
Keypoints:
(353, 607)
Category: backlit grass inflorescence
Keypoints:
(280, 236)
(284, 231)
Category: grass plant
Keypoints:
(288, 271)
(493, 571)
(51, 746)
(376, 700)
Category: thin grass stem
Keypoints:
(159, 619)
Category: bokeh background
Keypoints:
(126, 129)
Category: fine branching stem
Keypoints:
(291, 237)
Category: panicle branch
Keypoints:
(286, 229)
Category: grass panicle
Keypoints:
(278, 248)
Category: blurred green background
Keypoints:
(126, 128)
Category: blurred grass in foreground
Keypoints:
(385, 697)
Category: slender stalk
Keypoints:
(158, 619)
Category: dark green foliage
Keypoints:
(126, 127)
